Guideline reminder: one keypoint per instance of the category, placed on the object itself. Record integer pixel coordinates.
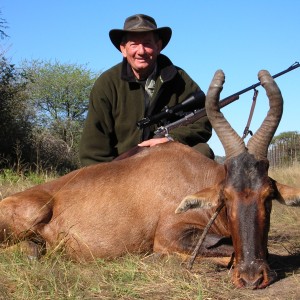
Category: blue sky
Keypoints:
(240, 37)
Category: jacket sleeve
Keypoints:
(97, 136)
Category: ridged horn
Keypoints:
(231, 141)
(260, 141)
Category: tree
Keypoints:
(15, 115)
(60, 95)
(42, 110)
(285, 137)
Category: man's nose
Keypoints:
(141, 49)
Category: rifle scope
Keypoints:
(189, 104)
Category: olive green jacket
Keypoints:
(117, 103)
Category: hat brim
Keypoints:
(116, 35)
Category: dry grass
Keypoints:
(149, 277)
(11, 182)
(290, 175)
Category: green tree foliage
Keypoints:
(59, 94)
(42, 110)
(15, 117)
(285, 137)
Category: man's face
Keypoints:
(141, 51)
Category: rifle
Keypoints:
(189, 104)
(200, 113)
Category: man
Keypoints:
(141, 85)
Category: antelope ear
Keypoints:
(205, 199)
(288, 195)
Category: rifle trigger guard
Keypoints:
(166, 131)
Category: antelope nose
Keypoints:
(251, 282)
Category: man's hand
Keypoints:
(153, 142)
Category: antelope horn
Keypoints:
(260, 141)
(231, 141)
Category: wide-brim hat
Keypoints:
(140, 23)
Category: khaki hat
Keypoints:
(140, 23)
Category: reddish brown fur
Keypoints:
(109, 209)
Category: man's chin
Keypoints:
(142, 66)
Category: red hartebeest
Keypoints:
(109, 209)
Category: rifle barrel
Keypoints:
(253, 86)
(192, 117)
